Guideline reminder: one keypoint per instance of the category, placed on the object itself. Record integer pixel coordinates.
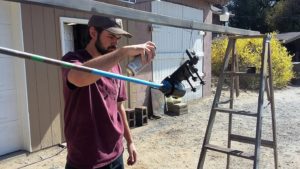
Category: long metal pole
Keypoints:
(68, 65)
(96, 7)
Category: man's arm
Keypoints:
(131, 147)
(109, 60)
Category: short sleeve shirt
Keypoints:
(93, 126)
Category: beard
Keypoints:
(101, 49)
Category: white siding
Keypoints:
(14, 132)
(172, 42)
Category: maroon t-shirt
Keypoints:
(93, 126)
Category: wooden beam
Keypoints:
(96, 7)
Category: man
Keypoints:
(95, 118)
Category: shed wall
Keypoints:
(41, 31)
(44, 84)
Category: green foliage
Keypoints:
(266, 15)
(284, 16)
(249, 54)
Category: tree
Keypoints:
(250, 14)
(284, 16)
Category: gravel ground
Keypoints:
(174, 142)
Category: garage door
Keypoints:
(172, 42)
(10, 121)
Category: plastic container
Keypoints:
(135, 66)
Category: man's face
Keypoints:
(106, 42)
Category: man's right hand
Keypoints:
(146, 50)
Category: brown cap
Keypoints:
(108, 24)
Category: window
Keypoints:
(129, 1)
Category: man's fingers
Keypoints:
(148, 55)
(134, 157)
(151, 44)
(130, 161)
(143, 57)
(146, 51)
(150, 50)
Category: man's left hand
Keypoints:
(132, 154)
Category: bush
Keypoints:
(249, 54)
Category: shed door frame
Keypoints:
(69, 21)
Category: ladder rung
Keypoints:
(247, 37)
(229, 151)
(233, 111)
(240, 74)
(249, 140)
(225, 101)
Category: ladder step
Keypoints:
(229, 151)
(241, 73)
(233, 111)
(249, 140)
(225, 101)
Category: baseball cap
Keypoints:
(108, 24)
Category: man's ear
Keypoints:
(93, 32)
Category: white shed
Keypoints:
(14, 124)
(172, 42)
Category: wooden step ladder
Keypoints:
(265, 84)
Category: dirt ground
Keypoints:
(174, 142)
